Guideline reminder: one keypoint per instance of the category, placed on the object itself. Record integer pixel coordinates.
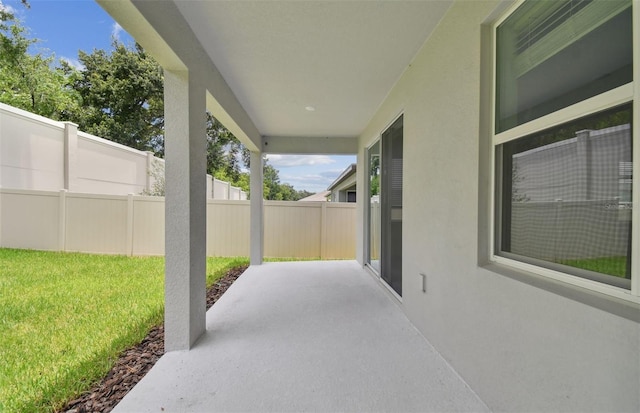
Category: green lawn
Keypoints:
(64, 318)
(615, 266)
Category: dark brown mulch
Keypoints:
(135, 362)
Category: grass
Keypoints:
(615, 266)
(64, 318)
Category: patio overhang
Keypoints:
(161, 29)
(283, 77)
(343, 76)
(285, 69)
(310, 145)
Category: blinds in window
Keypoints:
(559, 24)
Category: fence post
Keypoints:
(583, 149)
(323, 231)
(62, 221)
(70, 156)
(150, 165)
(129, 243)
(228, 190)
(210, 183)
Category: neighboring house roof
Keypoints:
(351, 169)
(320, 196)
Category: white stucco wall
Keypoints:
(522, 345)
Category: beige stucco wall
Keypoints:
(521, 347)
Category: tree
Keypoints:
(224, 151)
(30, 82)
(271, 182)
(157, 177)
(122, 97)
(273, 190)
(123, 100)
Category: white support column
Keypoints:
(256, 233)
(70, 156)
(185, 210)
(362, 202)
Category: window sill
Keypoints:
(622, 304)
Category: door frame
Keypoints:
(366, 209)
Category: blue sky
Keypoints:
(66, 26)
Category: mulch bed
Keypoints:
(136, 361)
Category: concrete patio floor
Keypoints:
(304, 336)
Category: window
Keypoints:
(552, 54)
(563, 139)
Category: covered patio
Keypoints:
(410, 88)
(305, 336)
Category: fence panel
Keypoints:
(116, 224)
(375, 231)
(37, 153)
(148, 225)
(29, 220)
(292, 229)
(228, 228)
(340, 238)
(234, 193)
(568, 230)
(31, 151)
(107, 168)
(220, 189)
(96, 223)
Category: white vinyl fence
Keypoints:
(570, 230)
(37, 153)
(134, 225)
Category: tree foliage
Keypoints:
(28, 81)
(273, 189)
(122, 96)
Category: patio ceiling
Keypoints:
(280, 59)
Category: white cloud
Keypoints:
(285, 161)
(332, 173)
(310, 182)
(73, 62)
(305, 178)
(116, 30)
(7, 9)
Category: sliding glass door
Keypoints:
(384, 209)
(391, 199)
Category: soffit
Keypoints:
(340, 57)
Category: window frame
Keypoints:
(628, 93)
(367, 209)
